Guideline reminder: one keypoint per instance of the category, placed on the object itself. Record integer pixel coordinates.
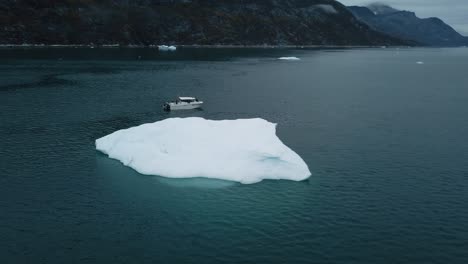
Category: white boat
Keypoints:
(183, 103)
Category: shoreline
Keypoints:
(216, 46)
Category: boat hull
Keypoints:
(182, 106)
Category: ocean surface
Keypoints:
(384, 137)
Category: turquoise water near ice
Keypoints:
(384, 137)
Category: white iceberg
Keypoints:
(289, 58)
(167, 48)
(419, 62)
(243, 150)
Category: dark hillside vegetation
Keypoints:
(145, 22)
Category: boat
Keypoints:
(183, 103)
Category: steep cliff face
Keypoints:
(241, 22)
(406, 25)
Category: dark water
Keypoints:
(385, 139)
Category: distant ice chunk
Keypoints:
(243, 150)
(419, 62)
(167, 48)
(289, 58)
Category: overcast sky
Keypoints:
(453, 12)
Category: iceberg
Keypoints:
(419, 62)
(243, 150)
(167, 48)
(289, 58)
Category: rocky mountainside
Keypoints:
(144, 22)
(406, 25)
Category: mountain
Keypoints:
(381, 9)
(238, 22)
(406, 25)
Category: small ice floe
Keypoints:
(167, 48)
(420, 62)
(242, 150)
(289, 58)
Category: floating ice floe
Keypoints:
(243, 150)
(167, 48)
(420, 62)
(289, 58)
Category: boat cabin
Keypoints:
(186, 99)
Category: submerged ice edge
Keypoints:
(243, 150)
